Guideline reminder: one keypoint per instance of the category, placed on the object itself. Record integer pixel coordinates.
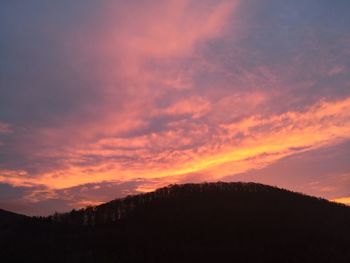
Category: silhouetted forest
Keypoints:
(209, 222)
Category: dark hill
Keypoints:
(218, 222)
(10, 217)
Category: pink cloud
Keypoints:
(5, 128)
(185, 148)
(178, 94)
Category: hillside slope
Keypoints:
(7, 216)
(217, 222)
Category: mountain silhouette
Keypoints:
(208, 222)
(10, 219)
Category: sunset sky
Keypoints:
(101, 99)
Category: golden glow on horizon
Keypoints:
(190, 91)
(323, 124)
(343, 200)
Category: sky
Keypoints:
(103, 99)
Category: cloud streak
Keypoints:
(159, 92)
(213, 151)
(5, 128)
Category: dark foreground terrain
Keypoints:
(218, 222)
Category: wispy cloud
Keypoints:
(188, 91)
(5, 128)
(183, 148)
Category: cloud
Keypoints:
(194, 106)
(5, 128)
(166, 91)
(40, 200)
(320, 172)
(185, 148)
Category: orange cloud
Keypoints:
(140, 130)
(184, 150)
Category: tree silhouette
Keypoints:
(209, 222)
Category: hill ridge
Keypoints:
(209, 222)
(117, 209)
